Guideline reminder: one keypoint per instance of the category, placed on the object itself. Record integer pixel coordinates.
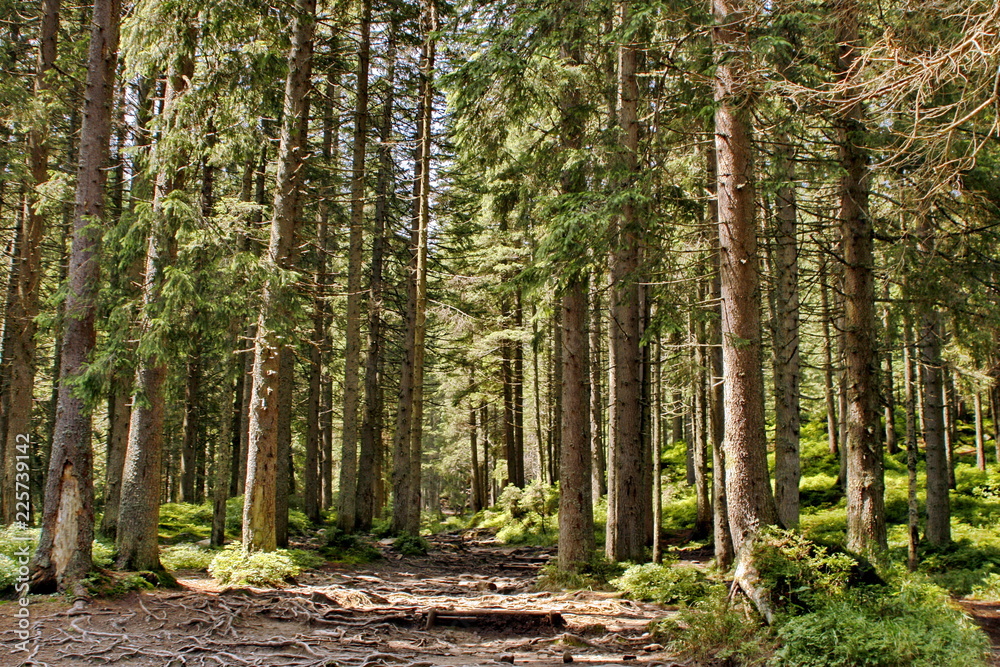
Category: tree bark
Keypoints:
(407, 444)
(909, 381)
(138, 518)
(22, 309)
(830, 400)
(63, 556)
(191, 429)
(283, 474)
(599, 460)
(866, 532)
(748, 489)
(259, 508)
(722, 536)
(785, 339)
(931, 331)
(576, 519)
(371, 431)
(889, 332)
(700, 420)
(626, 534)
(347, 499)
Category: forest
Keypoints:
(692, 303)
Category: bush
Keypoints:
(411, 545)
(988, 588)
(595, 574)
(108, 584)
(801, 574)
(348, 548)
(103, 554)
(911, 627)
(714, 632)
(185, 522)
(523, 516)
(186, 557)
(306, 559)
(235, 567)
(8, 572)
(664, 584)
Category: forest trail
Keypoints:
(370, 616)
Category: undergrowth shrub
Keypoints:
(185, 522)
(713, 632)
(665, 583)
(595, 574)
(186, 557)
(523, 516)
(348, 548)
(233, 566)
(988, 588)
(912, 626)
(411, 545)
(801, 574)
(8, 572)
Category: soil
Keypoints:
(367, 616)
(469, 602)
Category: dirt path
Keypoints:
(466, 603)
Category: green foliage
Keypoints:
(913, 626)
(523, 516)
(347, 547)
(103, 553)
(186, 557)
(234, 566)
(185, 522)
(801, 574)
(108, 584)
(988, 588)
(596, 574)
(717, 633)
(411, 545)
(8, 572)
(665, 583)
(305, 559)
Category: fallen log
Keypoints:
(495, 618)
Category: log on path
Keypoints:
(497, 619)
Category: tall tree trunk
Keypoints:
(138, 518)
(518, 381)
(785, 340)
(931, 332)
(657, 426)
(576, 520)
(229, 399)
(748, 489)
(829, 395)
(191, 429)
(23, 307)
(599, 461)
(477, 479)
(700, 421)
(555, 394)
(407, 443)
(722, 536)
(371, 432)
(259, 507)
(977, 401)
(283, 474)
(909, 380)
(63, 556)
(347, 500)
(889, 328)
(507, 389)
(865, 485)
(626, 534)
